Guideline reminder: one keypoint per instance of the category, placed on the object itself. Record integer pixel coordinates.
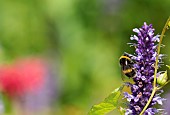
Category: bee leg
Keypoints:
(128, 84)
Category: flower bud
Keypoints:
(168, 24)
(122, 110)
(168, 66)
(162, 78)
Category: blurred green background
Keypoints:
(82, 38)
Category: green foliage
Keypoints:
(22, 29)
(110, 103)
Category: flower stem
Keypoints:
(156, 65)
(158, 49)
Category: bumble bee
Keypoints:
(126, 64)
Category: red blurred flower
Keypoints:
(24, 76)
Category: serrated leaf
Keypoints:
(109, 103)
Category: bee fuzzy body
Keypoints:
(126, 64)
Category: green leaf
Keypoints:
(109, 103)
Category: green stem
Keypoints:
(158, 49)
(7, 104)
(156, 66)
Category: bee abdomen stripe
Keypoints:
(127, 71)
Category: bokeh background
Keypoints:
(60, 57)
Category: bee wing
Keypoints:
(128, 66)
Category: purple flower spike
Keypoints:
(145, 58)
